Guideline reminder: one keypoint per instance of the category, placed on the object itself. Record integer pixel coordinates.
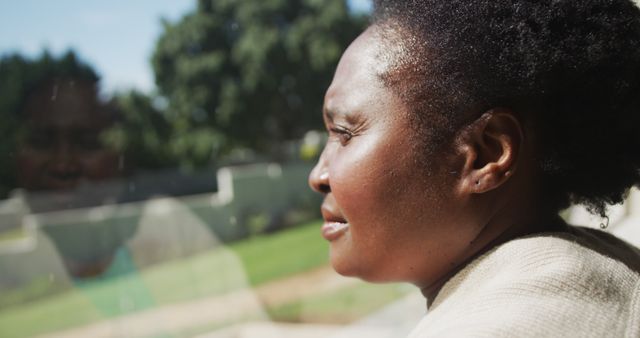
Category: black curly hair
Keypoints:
(570, 68)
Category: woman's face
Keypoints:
(61, 148)
(387, 218)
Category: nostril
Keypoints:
(319, 180)
(319, 186)
(324, 188)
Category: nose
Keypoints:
(319, 177)
(63, 163)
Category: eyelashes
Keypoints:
(342, 134)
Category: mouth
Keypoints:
(333, 231)
(334, 225)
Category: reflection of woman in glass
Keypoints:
(457, 131)
(61, 147)
(62, 163)
(84, 240)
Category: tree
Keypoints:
(142, 133)
(249, 74)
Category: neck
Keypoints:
(503, 227)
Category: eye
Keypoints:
(343, 135)
(41, 140)
(88, 142)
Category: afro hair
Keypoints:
(569, 68)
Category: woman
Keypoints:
(457, 132)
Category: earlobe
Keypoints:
(490, 147)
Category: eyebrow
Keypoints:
(328, 114)
(331, 115)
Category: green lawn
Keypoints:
(263, 259)
(12, 235)
(268, 258)
(344, 305)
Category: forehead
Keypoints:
(368, 51)
(358, 78)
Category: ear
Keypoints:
(490, 148)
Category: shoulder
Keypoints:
(573, 283)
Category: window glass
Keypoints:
(154, 180)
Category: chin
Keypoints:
(349, 268)
(343, 266)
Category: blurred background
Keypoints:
(153, 172)
(154, 159)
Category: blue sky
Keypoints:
(115, 36)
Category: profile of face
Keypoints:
(387, 218)
(60, 147)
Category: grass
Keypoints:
(13, 234)
(340, 306)
(36, 288)
(268, 258)
(263, 259)
(47, 316)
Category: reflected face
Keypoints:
(61, 145)
(386, 217)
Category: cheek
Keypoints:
(369, 191)
(101, 165)
(28, 166)
(398, 213)
(361, 181)
(373, 180)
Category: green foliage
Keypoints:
(234, 76)
(142, 132)
(19, 76)
(249, 74)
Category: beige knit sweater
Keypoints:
(579, 283)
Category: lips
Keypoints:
(334, 224)
(333, 231)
